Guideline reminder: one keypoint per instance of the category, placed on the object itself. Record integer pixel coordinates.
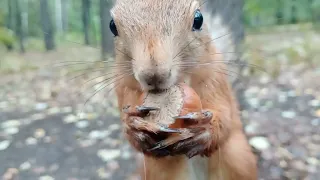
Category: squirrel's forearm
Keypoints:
(216, 96)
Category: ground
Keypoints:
(47, 133)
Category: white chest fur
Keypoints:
(198, 168)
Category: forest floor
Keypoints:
(47, 133)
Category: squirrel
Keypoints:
(157, 45)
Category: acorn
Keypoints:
(179, 100)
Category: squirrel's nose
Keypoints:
(155, 79)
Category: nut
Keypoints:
(179, 100)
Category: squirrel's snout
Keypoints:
(154, 81)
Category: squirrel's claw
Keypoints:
(193, 140)
(144, 109)
(171, 140)
(199, 144)
(140, 111)
(189, 143)
(143, 141)
(168, 130)
(196, 117)
(139, 123)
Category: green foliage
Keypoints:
(7, 37)
(34, 19)
(316, 11)
(257, 13)
(272, 12)
(2, 18)
(2, 12)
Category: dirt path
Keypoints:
(44, 135)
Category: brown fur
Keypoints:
(151, 34)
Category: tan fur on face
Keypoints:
(167, 30)
(157, 17)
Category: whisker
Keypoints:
(212, 70)
(224, 53)
(231, 62)
(113, 76)
(184, 48)
(125, 54)
(223, 69)
(203, 3)
(110, 90)
(96, 61)
(117, 64)
(180, 52)
(77, 62)
(94, 70)
(212, 40)
(71, 64)
(200, 45)
(229, 53)
(75, 42)
(81, 62)
(103, 81)
(104, 86)
(114, 87)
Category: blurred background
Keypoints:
(59, 118)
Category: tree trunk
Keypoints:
(47, 27)
(106, 41)
(279, 13)
(25, 18)
(19, 30)
(65, 15)
(10, 21)
(58, 13)
(86, 20)
(294, 18)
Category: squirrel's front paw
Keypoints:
(143, 135)
(196, 139)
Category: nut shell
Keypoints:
(176, 101)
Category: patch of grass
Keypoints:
(278, 52)
(62, 41)
(7, 38)
(281, 28)
(71, 39)
(34, 44)
(14, 63)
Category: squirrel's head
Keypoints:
(156, 37)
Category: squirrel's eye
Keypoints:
(113, 28)
(198, 21)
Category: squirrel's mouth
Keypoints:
(163, 87)
(156, 90)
